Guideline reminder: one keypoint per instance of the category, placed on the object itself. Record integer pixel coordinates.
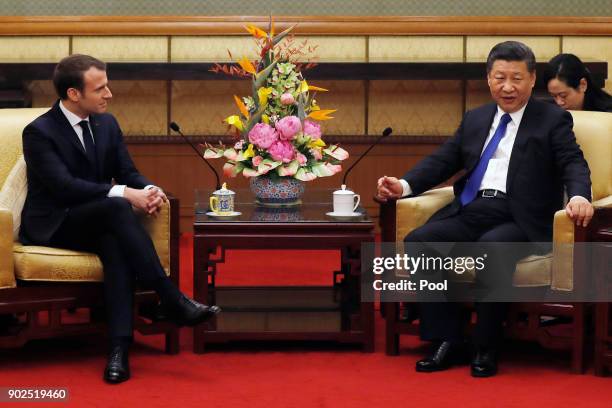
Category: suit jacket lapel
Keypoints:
(66, 130)
(525, 130)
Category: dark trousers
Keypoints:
(483, 220)
(110, 229)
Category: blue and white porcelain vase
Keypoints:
(277, 192)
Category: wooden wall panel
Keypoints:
(424, 108)
(415, 48)
(544, 48)
(33, 49)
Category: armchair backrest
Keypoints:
(12, 122)
(594, 135)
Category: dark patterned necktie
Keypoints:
(90, 146)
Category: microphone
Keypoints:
(385, 133)
(177, 129)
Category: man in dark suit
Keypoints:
(518, 154)
(84, 192)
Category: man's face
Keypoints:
(95, 95)
(511, 84)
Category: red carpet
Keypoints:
(294, 375)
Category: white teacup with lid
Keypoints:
(345, 202)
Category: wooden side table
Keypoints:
(299, 312)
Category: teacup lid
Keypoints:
(223, 190)
(343, 190)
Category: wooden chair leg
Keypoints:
(173, 341)
(392, 336)
(578, 338)
(601, 332)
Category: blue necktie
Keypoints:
(473, 184)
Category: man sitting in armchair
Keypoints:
(518, 154)
(74, 153)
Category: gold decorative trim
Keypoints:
(308, 25)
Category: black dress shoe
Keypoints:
(484, 363)
(188, 312)
(445, 355)
(117, 368)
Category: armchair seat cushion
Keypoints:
(38, 263)
(533, 271)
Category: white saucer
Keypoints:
(230, 215)
(345, 216)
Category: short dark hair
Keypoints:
(511, 51)
(69, 72)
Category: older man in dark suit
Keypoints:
(82, 191)
(518, 154)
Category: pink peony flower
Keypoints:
(287, 99)
(263, 135)
(312, 129)
(288, 127)
(301, 159)
(282, 150)
(257, 160)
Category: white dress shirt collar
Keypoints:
(515, 116)
(72, 118)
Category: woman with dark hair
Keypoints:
(570, 84)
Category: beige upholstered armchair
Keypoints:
(35, 280)
(561, 271)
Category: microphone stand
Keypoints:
(385, 133)
(175, 127)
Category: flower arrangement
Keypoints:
(277, 129)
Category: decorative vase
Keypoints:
(277, 192)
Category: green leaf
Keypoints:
(255, 96)
(261, 77)
(301, 103)
(277, 38)
(254, 120)
(238, 169)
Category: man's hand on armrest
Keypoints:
(388, 188)
(580, 210)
